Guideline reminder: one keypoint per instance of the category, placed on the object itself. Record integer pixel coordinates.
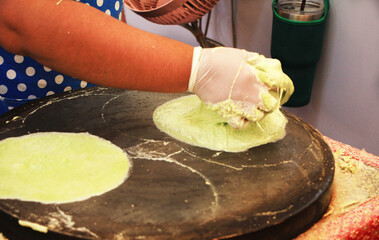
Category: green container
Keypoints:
(298, 44)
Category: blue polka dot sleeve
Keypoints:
(22, 79)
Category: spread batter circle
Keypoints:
(56, 167)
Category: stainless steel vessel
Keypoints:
(297, 10)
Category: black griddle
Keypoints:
(174, 191)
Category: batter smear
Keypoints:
(189, 120)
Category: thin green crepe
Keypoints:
(189, 120)
(59, 167)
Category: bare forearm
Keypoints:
(85, 43)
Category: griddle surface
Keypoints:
(175, 191)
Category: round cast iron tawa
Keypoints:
(175, 191)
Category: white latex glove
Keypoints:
(241, 86)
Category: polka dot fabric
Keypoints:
(22, 79)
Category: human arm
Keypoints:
(80, 41)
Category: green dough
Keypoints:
(189, 120)
(57, 167)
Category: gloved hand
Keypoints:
(242, 86)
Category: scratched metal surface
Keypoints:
(175, 190)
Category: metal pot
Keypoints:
(293, 9)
